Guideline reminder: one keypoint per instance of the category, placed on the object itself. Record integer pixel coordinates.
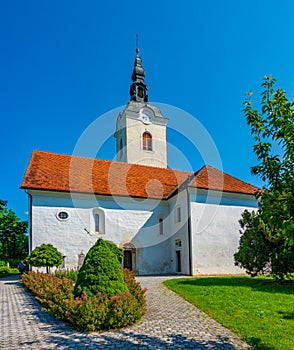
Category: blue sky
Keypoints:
(64, 63)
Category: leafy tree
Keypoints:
(254, 249)
(13, 238)
(101, 271)
(273, 224)
(45, 255)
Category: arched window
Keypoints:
(147, 141)
(96, 219)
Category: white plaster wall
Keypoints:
(69, 236)
(215, 232)
(156, 259)
(214, 238)
(128, 221)
(179, 231)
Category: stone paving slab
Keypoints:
(169, 323)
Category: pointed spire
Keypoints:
(138, 89)
(137, 43)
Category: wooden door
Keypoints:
(128, 259)
(179, 266)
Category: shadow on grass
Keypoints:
(258, 344)
(287, 315)
(255, 283)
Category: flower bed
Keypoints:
(98, 312)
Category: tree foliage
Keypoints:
(267, 240)
(13, 238)
(45, 255)
(101, 271)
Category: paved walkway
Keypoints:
(169, 323)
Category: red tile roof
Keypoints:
(58, 172)
(214, 179)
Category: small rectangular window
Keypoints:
(178, 214)
(160, 222)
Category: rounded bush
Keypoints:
(45, 255)
(101, 271)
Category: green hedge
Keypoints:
(7, 271)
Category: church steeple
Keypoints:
(138, 89)
(141, 128)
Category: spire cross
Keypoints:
(137, 43)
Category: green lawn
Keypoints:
(259, 310)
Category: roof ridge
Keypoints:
(109, 161)
(53, 171)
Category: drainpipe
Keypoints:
(30, 220)
(189, 231)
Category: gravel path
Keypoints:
(169, 323)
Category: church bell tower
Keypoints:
(141, 128)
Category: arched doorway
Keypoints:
(129, 261)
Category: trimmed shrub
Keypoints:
(49, 291)
(134, 287)
(101, 271)
(85, 313)
(45, 255)
(116, 250)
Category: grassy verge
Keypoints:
(259, 310)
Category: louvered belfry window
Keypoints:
(147, 141)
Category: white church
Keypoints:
(166, 221)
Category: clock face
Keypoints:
(145, 116)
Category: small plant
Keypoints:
(101, 271)
(45, 255)
(69, 274)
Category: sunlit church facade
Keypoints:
(166, 221)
